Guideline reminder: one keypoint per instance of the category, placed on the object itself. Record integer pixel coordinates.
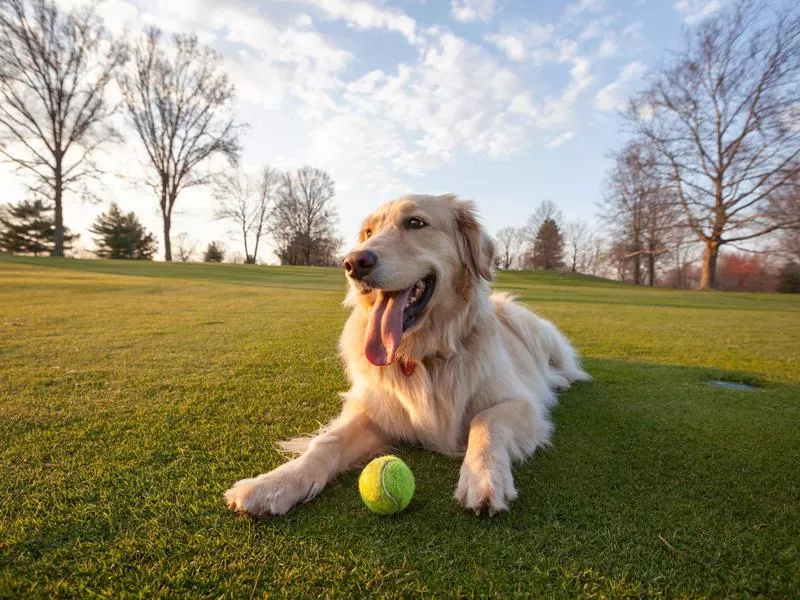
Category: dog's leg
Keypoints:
(347, 439)
(500, 434)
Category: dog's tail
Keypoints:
(557, 359)
(562, 357)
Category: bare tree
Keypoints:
(787, 202)
(267, 193)
(578, 238)
(305, 218)
(594, 255)
(546, 209)
(179, 105)
(248, 203)
(54, 70)
(234, 195)
(620, 261)
(509, 245)
(723, 120)
(638, 209)
(186, 246)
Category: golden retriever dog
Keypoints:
(434, 358)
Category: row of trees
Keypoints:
(714, 159)
(713, 162)
(56, 71)
(28, 228)
(295, 209)
(545, 242)
(580, 250)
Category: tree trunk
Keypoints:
(167, 245)
(246, 253)
(255, 248)
(58, 245)
(708, 275)
(637, 269)
(651, 269)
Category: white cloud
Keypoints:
(632, 71)
(303, 20)
(632, 34)
(527, 40)
(694, 11)
(468, 11)
(274, 61)
(591, 30)
(559, 140)
(612, 96)
(608, 48)
(581, 79)
(582, 6)
(366, 15)
(456, 98)
(512, 45)
(117, 15)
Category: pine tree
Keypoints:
(122, 236)
(213, 253)
(29, 228)
(548, 249)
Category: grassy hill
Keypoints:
(133, 394)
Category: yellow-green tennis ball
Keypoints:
(386, 485)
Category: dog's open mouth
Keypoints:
(393, 313)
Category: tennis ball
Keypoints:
(386, 485)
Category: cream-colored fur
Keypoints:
(486, 368)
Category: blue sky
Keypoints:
(507, 102)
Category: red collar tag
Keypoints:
(408, 366)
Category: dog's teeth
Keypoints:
(416, 293)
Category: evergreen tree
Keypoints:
(548, 249)
(122, 236)
(29, 228)
(214, 253)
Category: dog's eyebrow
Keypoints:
(406, 207)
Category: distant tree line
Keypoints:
(715, 156)
(547, 243)
(295, 209)
(713, 161)
(56, 66)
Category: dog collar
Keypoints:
(408, 366)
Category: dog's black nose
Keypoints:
(358, 264)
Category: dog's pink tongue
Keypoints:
(385, 327)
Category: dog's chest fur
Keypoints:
(433, 405)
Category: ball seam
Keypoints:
(383, 485)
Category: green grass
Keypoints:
(132, 395)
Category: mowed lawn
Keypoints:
(132, 395)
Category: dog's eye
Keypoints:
(415, 223)
(368, 233)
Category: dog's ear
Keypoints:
(477, 248)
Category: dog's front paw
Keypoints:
(276, 492)
(485, 488)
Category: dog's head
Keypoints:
(416, 256)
